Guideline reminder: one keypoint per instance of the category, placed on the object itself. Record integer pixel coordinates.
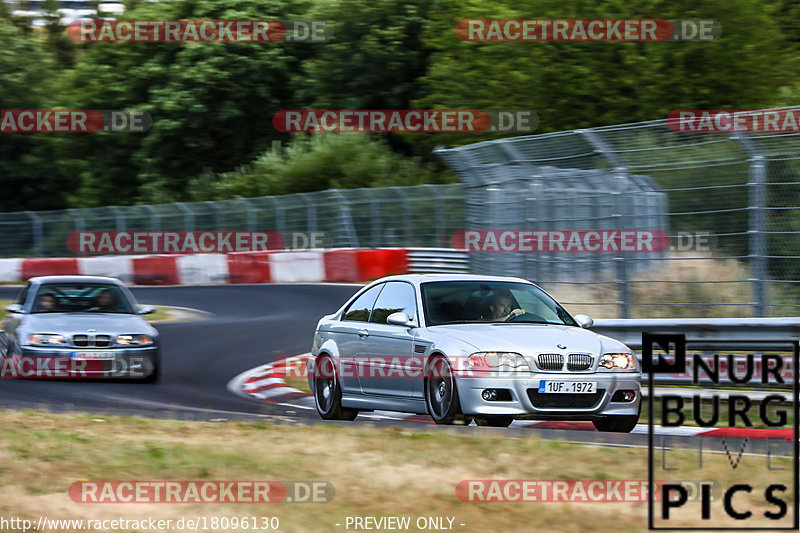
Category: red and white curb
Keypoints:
(266, 383)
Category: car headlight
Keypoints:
(134, 340)
(46, 339)
(623, 361)
(497, 361)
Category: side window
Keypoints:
(359, 310)
(23, 294)
(396, 297)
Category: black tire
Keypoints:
(496, 421)
(328, 394)
(617, 423)
(441, 393)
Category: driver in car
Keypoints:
(104, 302)
(501, 309)
(47, 302)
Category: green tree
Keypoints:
(27, 178)
(376, 58)
(577, 85)
(211, 103)
(318, 162)
(57, 43)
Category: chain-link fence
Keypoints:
(732, 211)
(422, 216)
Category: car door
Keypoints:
(349, 335)
(384, 367)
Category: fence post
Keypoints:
(77, 218)
(155, 217)
(311, 212)
(213, 205)
(250, 214)
(405, 219)
(188, 216)
(350, 237)
(757, 221)
(621, 179)
(37, 233)
(439, 235)
(119, 218)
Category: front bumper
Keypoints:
(40, 362)
(549, 406)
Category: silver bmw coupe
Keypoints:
(465, 347)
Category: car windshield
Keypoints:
(457, 302)
(81, 297)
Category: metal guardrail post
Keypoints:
(406, 218)
(249, 213)
(38, 233)
(213, 205)
(119, 218)
(280, 220)
(757, 221)
(311, 212)
(350, 237)
(79, 222)
(621, 178)
(439, 234)
(155, 217)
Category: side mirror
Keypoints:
(584, 321)
(146, 310)
(399, 319)
(15, 308)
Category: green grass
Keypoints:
(375, 471)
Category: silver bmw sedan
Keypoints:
(464, 347)
(78, 327)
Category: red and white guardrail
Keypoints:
(308, 266)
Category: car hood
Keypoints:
(102, 323)
(529, 339)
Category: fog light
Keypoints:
(624, 396)
(489, 395)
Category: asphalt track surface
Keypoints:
(250, 325)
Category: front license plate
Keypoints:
(567, 387)
(92, 356)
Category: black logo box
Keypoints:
(663, 366)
